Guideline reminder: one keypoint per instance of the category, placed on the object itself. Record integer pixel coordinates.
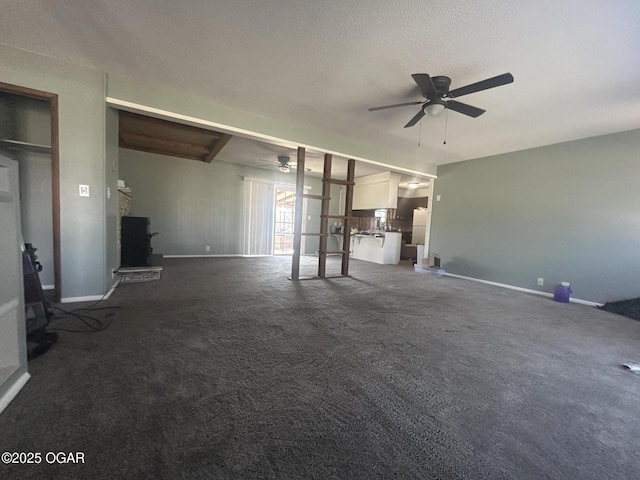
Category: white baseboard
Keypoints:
(13, 390)
(525, 290)
(92, 298)
(88, 298)
(204, 256)
(113, 287)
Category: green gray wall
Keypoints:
(81, 93)
(565, 212)
(193, 204)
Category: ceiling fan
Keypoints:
(439, 97)
(285, 166)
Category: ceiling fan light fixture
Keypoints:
(439, 98)
(434, 109)
(284, 168)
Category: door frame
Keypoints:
(52, 99)
(291, 187)
(285, 188)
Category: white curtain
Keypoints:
(258, 215)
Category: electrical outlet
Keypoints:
(84, 190)
(437, 198)
(540, 281)
(207, 248)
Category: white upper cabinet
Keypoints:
(379, 190)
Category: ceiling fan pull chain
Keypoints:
(420, 134)
(446, 122)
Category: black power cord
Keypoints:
(90, 307)
(97, 326)
(93, 324)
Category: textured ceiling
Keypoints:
(322, 63)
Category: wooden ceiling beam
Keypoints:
(162, 152)
(216, 147)
(142, 141)
(153, 135)
(154, 127)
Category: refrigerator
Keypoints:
(419, 230)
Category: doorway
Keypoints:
(284, 221)
(17, 147)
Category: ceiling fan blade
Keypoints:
(426, 85)
(415, 119)
(493, 82)
(374, 109)
(464, 108)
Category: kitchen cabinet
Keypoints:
(383, 248)
(407, 205)
(376, 191)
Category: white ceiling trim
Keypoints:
(194, 121)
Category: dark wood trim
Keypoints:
(297, 229)
(217, 146)
(27, 92)
(336, 181)
(330, 277)
(324, 216)
(348, 204)
(138, 142)
(52, 98)
(55, 198)
(159, 151)
(340, 217)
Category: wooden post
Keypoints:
(348, 204)
(324, 216)
(297, 230)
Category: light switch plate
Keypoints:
(84, 190)
(437, 198)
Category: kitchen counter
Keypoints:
(377, 247)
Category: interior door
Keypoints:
(13, 351)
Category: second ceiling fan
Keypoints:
(439, 97)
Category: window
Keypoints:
(284, 221)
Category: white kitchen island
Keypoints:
(383, 247)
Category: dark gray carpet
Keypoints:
(225, 369)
